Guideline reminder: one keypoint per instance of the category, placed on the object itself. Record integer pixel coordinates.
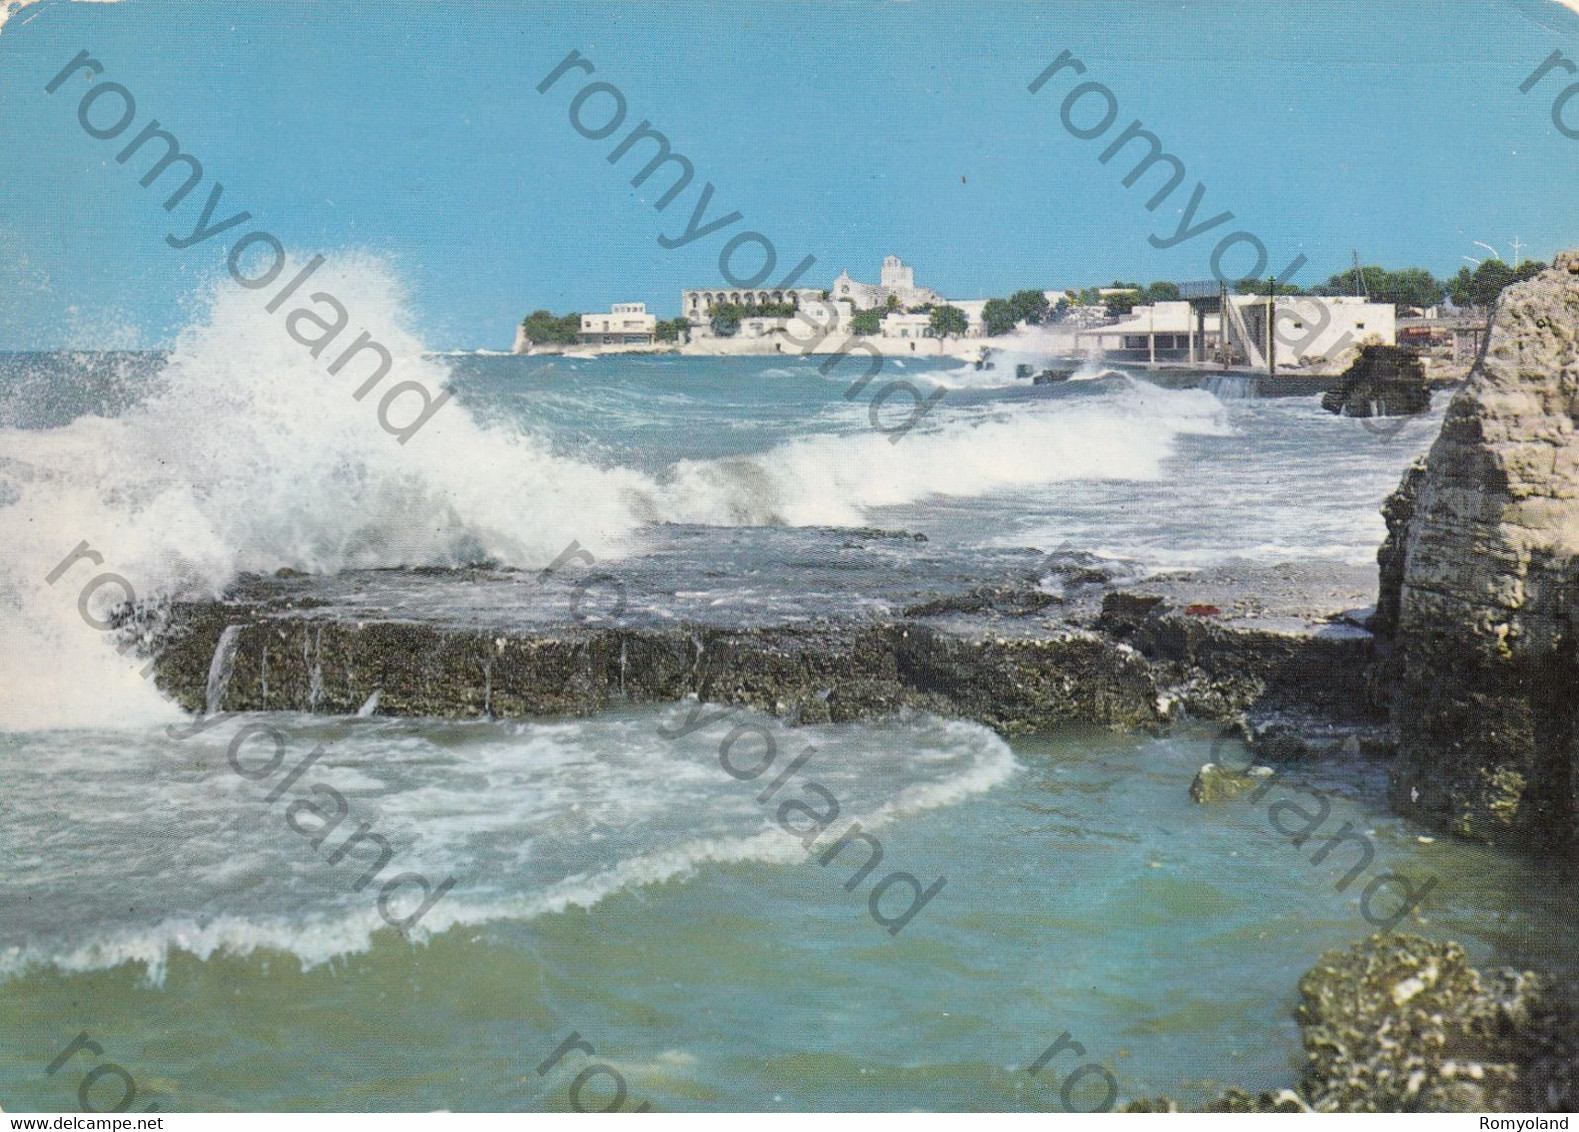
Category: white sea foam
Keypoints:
(827, 479)
(494, 804)
(248, 456)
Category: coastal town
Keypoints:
(1259, 326)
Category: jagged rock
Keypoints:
(1009, 601)
(1232, 1100)
(1213, 783)
(1402, 1024)
(1478, 584)
(1292, 736)
(1237, 1100)
(1384, 381)
(477, 641)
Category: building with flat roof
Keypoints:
(697, 303)
(1310, 330)
(626, 324)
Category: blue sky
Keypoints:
(842, 130)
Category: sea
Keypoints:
(629, 925)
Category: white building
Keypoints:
(697, 303)
(1310, 330)
(972, 309)
(625, 324)
(814, 321)
(902, 324)
(897, 279)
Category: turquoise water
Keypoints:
(1085, 893)
(611, 880)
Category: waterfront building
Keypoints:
(1311, 329)
(902, 324)
(626, 324)
(897, 279)
(814, 320)
(972, 309)
(696, 303)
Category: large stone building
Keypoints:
(696, 303)
(897, 279)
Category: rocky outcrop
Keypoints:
(1384, 381)
(1010, 654)
(1478, 587)
(1402, 1024)
(1213, 783)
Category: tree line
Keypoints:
(1407, 287)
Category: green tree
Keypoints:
(1480, 288)
(1028, 307)
(893, 303)
(998, 316)
(949, 321)
(1122, 303)
(866, 322)
(1409, 287)
(670, 329)
(544, 327)
(738, 311)
(1161, 292)
(1259, 287)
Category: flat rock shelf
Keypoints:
(1012, 638)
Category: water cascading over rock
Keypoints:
(1478, 587)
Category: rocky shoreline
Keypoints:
(1019, 649)
(1465, 667)
(1403, 1024)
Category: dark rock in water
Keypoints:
(1213, 783)
(1052, 376)
(1012, 601)
(1402, 1024)
(1384, 381)
(769, 623)
(1478, 582)
(1297, 736)
(1231, 1100)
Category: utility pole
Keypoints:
(1222, 323)
(1271, 326)
(1516, 246)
